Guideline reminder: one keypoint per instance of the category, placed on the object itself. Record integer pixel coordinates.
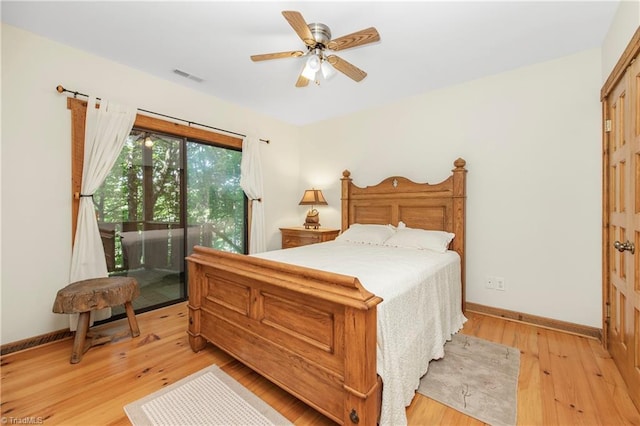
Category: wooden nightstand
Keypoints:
(299, 236)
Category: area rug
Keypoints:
(208, 397)
(476, 377)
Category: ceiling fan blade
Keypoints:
(300, 26)
(302, 81)
(346, 68)
(277, 55)
(369, 35)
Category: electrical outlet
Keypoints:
(491, 283)
(500, 284)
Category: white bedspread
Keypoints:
(420, 311)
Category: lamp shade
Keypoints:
(313, 197)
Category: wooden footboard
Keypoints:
(311, 332)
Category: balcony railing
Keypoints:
(150, 245)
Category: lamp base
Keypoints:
(311, 225)
(312, 220)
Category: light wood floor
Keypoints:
(564, 379)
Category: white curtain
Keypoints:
(251, 183)
(106, 131)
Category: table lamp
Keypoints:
(312, 197)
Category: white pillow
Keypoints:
(367, 233)
(420, 239)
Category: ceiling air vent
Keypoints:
(187, 75)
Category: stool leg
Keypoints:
(81, 334)
(133, 322)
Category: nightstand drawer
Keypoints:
(299, 236)
(301, 240)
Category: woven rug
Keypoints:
(476, 377)
(209, 397)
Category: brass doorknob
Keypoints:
(627, 245)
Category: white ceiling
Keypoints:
(424, 45)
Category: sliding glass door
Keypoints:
(164, 195)
(216, 207)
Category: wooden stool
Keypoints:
(82, 297)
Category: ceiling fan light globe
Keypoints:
(313, 63)
(327, 70)
(308, 73)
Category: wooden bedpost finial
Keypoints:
(346, 174)
(459, 163)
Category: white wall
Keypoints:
(624, 25)
(531, 139)
(36, 165)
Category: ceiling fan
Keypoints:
(317, 38)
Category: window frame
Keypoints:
(78, 110)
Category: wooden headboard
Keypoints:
(438, 206)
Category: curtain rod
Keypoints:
(61, 89)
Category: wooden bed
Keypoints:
(311, 332)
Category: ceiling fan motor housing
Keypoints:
(321, 34)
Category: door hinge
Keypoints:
(607, 125)
(608, 308)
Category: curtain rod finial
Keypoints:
(60, 89)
